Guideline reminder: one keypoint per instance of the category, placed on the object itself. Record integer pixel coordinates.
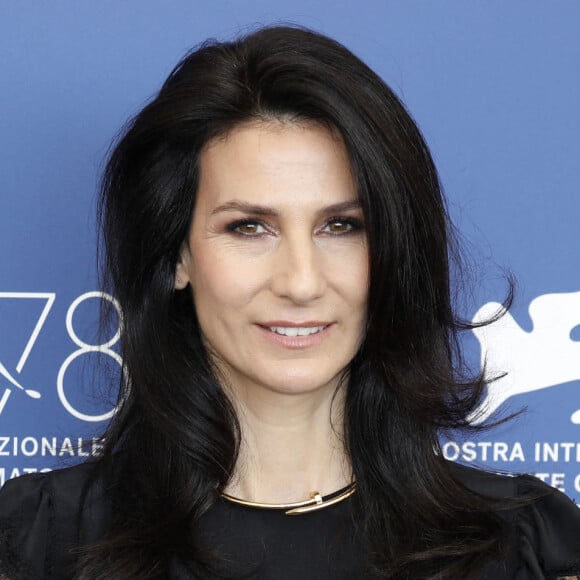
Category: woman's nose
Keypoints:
(298, 270)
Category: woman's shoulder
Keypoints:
(511, 486)
(62, 488)
(42, 481)
(545, 522)
(42, 515)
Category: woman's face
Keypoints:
(277, 257)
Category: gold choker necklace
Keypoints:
(315, 503)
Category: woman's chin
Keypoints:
(304, 382)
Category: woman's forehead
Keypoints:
(264, 163)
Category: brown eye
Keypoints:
(247, 228)
(342, 226)
(339, 227)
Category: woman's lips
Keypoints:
(295, 335)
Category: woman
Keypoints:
(276, 236)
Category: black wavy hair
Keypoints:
(173, 443)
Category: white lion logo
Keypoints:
(545, 357)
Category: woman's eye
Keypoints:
(247, 228)
(342, 226)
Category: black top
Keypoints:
(38, 524)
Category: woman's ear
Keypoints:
(182, 269)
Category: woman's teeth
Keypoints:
(296, 330)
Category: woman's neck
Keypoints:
(291, 445)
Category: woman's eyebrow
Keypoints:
(252, 209)
(338, 208)
(245, 207)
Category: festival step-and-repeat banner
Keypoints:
(495, 88)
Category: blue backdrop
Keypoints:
(495, 88)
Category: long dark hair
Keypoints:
(173, 443)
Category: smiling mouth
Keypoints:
(296, 335)
(296, 330)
